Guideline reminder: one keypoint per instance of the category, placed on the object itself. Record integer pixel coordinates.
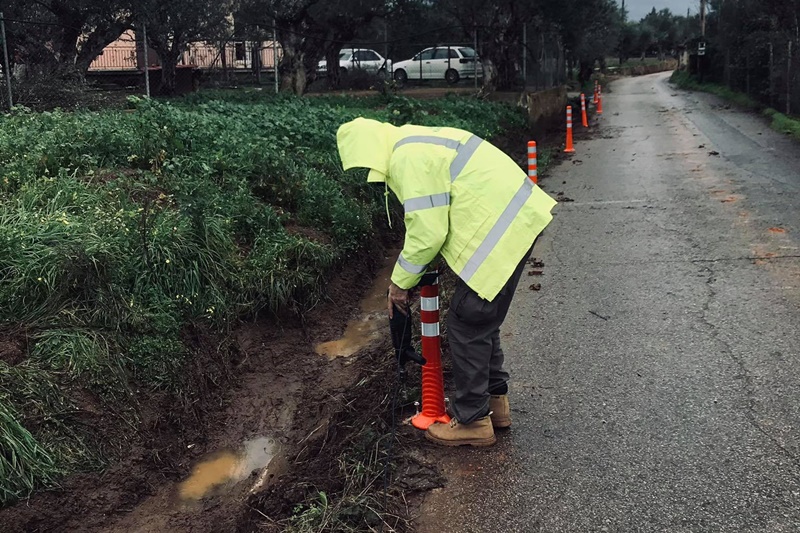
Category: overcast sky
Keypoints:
(639, 8)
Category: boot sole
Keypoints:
(502, 424)
(468, 442)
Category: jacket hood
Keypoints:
(367, 143)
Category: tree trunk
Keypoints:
(506, 70)
(585, 70)
(332, 66)
(223, 49)
(169, 63)
(489, 77)
(94, 44)
(292, 68)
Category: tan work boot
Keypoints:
(500, 411)
(478, 433)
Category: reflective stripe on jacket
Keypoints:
(463, 198)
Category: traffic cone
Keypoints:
(594, 97)
(584, 118)
(433, 408)
(570, 148)
(533, 167)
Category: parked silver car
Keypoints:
(359, 58)
(450, 63)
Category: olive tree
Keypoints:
(172, 25)
(63, 37)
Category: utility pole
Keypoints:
(624, 13)
(703, 18)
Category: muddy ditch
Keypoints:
(285, 429)
(274, 402)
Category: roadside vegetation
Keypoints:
(750, 57)
(778, 121)
(125, 233)
(684, 80)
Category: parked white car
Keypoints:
(359, 58)
(450, 63)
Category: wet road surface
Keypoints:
(656, 375)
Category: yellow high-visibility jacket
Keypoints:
(462, 196)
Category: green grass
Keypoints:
(783, 123)
(780, 122)
(120, 229)
(684, 80)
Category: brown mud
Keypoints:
(277, 389)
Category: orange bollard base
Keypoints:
(433, 406)
(423, 422)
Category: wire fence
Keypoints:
(429, 58)
(766, 68)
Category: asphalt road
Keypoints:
(657, 373)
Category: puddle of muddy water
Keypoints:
(228, 468)
(371, 325)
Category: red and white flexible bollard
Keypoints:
(584, 117)
(433, 407)
(533, 164)
(570, 146)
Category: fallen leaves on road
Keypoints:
(536, 287)
(535, 273)
(713, 152)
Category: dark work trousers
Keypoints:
(473, 331)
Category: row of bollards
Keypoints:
(597, 100)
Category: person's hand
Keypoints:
(398, 297)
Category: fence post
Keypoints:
(524, 57)
(474, 59)
(275, 51)
(771, 74)
(789, 80)
(6, 63)
(146, 62)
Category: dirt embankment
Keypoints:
(275, 386)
